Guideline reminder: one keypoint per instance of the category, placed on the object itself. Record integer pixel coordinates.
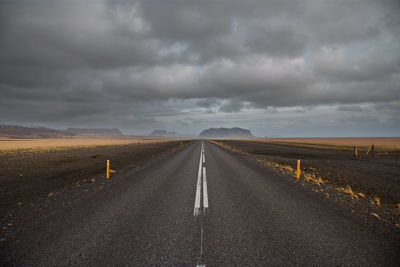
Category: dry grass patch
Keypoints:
(345, 144)
(287, 169)
(375, 201)
(284, 168)
(10, 145)
(314, 178)
(228, 147)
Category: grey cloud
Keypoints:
(335, 66)
(257, 79)
(73, 35)
(232, 105)
(281, 39)
(350, 108)
(337, 22)
(207, 102)
(224, 29)
(361, 120)
(144, 62)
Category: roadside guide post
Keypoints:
(108, 169)
(298, 169)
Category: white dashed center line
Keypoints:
(201, 185)
(205, 194)
(196, 211)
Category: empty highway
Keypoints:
(201, 205)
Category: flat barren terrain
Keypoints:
(52, 144)
(381, 144)
(31, 169)
(371, 179)
(199, 203)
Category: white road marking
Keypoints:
(198, 188)
(201, 175)
(205, 193)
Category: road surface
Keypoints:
(202, 205)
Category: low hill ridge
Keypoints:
(15, 131)
(94, 131)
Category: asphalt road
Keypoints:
(159, 216)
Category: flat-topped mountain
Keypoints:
(235, 132)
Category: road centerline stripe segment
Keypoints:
(205, 193)
(198, 188)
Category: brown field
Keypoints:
(381, 144)
(54, 144)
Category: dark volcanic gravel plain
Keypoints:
(376, 177)
(27, 175)
(143, 216)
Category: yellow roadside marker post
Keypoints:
(108, 169)
(298, 169)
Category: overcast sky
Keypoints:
(279, 68)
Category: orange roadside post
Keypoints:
(298, 169)
(108, 169)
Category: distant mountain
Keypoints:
(164, 133)
(15, 131)
(31, 132)
(235, 132)
(94, 131)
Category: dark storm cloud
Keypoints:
(87, 60)
(68, 35)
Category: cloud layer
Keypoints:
(183, 65)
